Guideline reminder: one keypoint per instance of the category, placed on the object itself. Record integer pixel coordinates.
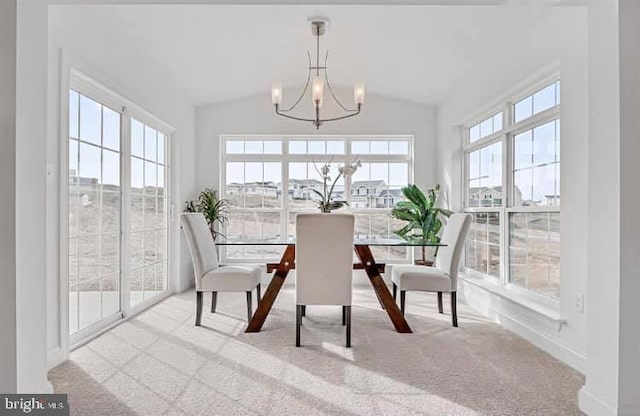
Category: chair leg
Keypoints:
(214, 301)
(395, 291)
(347, 310)
(249, 306)
(198, 308)
(258, 293)
(454, 309)
(440, 302)
(344, 318)
(298, 323)
(304, 310)
(402, 300)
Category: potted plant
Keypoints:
(214, 209)
(422, 216)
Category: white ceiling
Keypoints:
(214, 53)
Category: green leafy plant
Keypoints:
(421, 214)
(214, 209)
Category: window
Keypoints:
(512, 188)
(269, 180)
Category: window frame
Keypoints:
(285, 158)
(510, 129)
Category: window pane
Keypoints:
(90, 120)
(316, 147)
(486, 127)
(110, 129)
(234, 187)
(398, 147)
(474, 164)
(482, 252)
(161, 148)
(89, 164)
(235, 147)
(137, 138)
(335, 147)
(544, 99)
(150, 144)
(272, 185)
(360, 148)
(474, 133)
(534, 252)
(150, 183)
(297, 147)
(524, 109)
(111, 170)
(137, 175)
(523, 150)
(544, 143)
(253, 147)
(379, 147)
(398, 174)
(497, 122)
(272, 147)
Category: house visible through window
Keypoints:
(268, 180)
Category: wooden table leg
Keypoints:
(381, 289)
(270, 295)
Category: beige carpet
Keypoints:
(160, 363)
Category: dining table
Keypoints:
(362, 248)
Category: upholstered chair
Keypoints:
(324, 265)
(209, 275)
(443, 277)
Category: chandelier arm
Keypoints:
(304, 90)
(353, 114)
(326, 77)
(280, 113)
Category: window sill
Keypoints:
(547, 309)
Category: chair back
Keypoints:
(324, 259)
(454, 236)
(201, 244)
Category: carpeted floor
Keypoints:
(160, 363)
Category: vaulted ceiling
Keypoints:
(214, 53)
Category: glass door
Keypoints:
(148, 232)
(94, 205)
(118, 216)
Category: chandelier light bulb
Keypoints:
(317, 91)
(276, 93)
(358, 93)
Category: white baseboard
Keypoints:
(517, 323)
(55, 357)
(593, 406)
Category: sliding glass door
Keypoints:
(94, 202)
(117, 203)
(148, 208)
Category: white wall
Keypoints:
(119, 73)
(254, 115)
(8, 36)
(564, 34)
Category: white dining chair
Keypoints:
(444, 276)
(209, 275)
(324, 265)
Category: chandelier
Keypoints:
(318, 84)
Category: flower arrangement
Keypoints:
(326, 204)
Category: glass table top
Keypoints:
(397, 242)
